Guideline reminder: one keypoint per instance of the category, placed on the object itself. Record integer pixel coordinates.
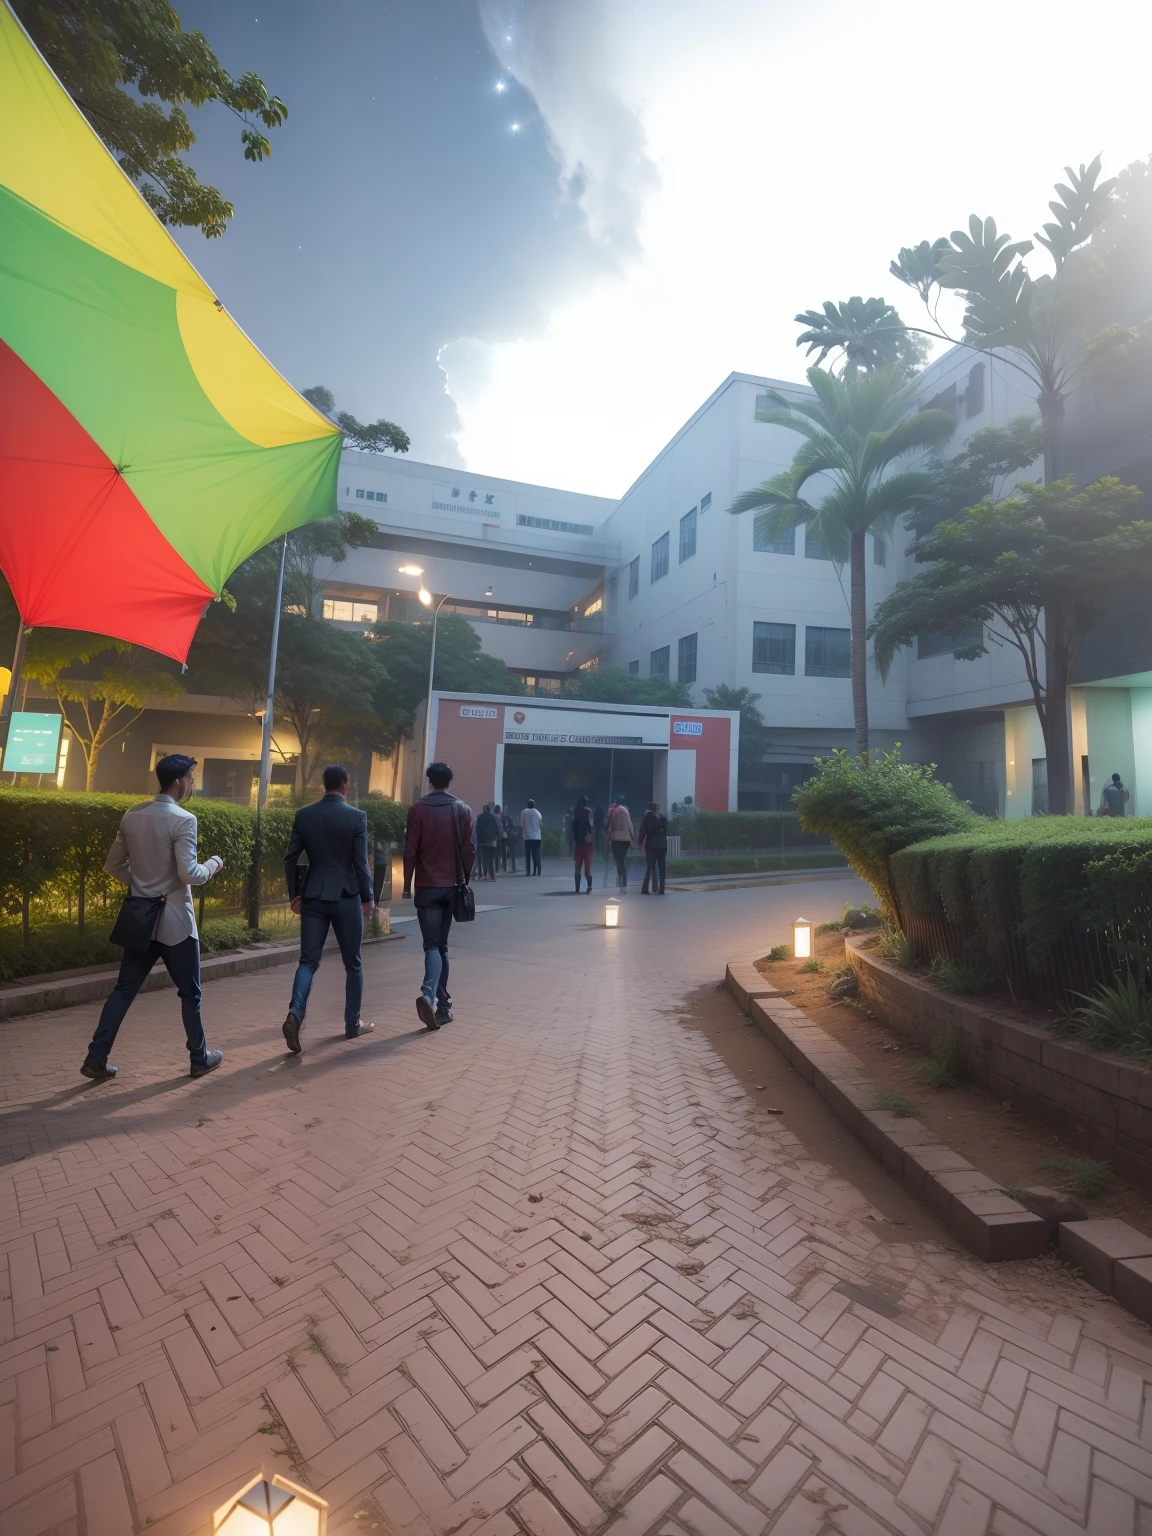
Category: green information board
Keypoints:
(33, 743)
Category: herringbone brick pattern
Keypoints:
(535, 1274)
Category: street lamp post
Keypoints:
(266, 750)
(426, 599)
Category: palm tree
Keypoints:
(868, 332)
(856, 429)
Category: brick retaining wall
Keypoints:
(1099, 1102)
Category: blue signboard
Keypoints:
(33, 743)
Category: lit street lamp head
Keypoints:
(425, 596)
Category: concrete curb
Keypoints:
(969, 1203)
(94, 986)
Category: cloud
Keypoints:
(747, 159)
(561, 51)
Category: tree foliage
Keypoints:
(868, 334)
(102, 686)
(977, 473)
(856, 430)
(461, 665)
(1038, 571)
(1046, 323)
(132, 69)
(370, 437)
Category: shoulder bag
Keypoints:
(463, 896)
(137, 921)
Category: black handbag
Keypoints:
(137, 921)
(463, 896)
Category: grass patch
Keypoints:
(778, 952)
(894, 947)
(812, 967)
(961, 979)
(902, 1105)
(1115, 1017)
(1084, 1176)
(948, 1058)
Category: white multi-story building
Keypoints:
(666, 583)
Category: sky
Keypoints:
(539, 233)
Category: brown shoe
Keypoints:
(292, 1034)
(97, 1073)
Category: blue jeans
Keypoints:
(346, 920)
(434, 914)
(182, 962)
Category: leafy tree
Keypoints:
(978, 472)
(330, 538)
(856, 430)
(332, 687)
(369, 437)
(612, 685)
(461, 664)
(1045, 325)
(1038, 572)
(119, 61)
(99, 702)
(867, 332)
(753, 736)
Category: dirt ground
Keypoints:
(998, 1139)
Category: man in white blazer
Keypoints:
(155, 855)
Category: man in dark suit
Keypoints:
(337, 894)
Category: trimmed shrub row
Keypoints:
(741, 832)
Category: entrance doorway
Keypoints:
(556, 777)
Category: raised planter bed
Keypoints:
(1099, 1101)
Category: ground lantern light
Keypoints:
(276, 1508)
(802, 939)
(612, 914)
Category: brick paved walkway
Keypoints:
(547, 1271)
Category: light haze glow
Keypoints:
(746, 159)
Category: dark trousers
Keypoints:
(654, 871)
(488, 860)
(510, 845)
(346, 920)
(182, 962)
(434, 914)
(620, 854)
(532, 855)
(584, 862)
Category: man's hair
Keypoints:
(495, 808)
(335, 777)
(531, 805)
(653, 805)
(439, 775)
(175, 766)
(1115, 778)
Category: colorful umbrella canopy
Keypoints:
(146, 446)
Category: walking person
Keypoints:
(531, 822)
(502, 840)
(512, 836)
(337, 895)
(583, 837)
(439, 851)
(652, 836)
(488, 836)
(1114, 797)
(619, 831)
(154, 854)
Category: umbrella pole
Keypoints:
(266, 749)
(9, 703)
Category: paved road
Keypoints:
(549, 1270)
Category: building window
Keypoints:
(944, 401)
(687, 535)
(814, 546)
(360, 494)
(659, 558)
(774, 648)
(942, 642)
(705, 501)
(554, 525)
(879, 551)
(634, 577)
(658, 662)
(763, 545)
(686, 659)
(827, 652)
(634, 668)
(342, 612)
(974, 395)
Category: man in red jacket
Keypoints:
(439, 849)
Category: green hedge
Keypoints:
(739, 831)
(53, 847)
(754, 863)
(1034, 877)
